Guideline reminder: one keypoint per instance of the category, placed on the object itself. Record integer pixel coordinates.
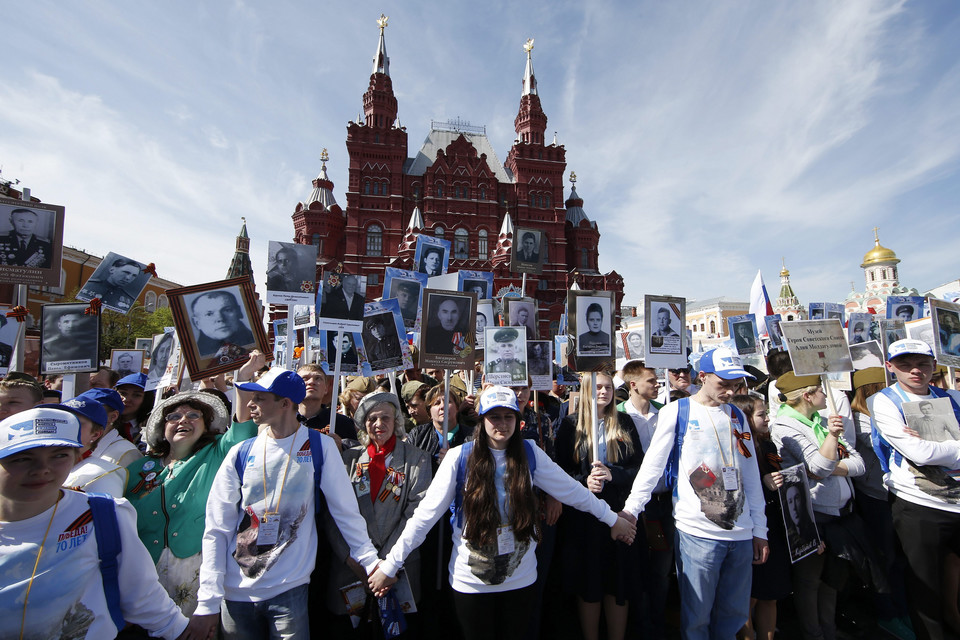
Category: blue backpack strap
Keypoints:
(107, 530)
(673, 463)
(243, 452)
(316, 452)
(881, 447)
(528, 446)
(456, 508)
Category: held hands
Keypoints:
(623, 530)
(380, 583)
(773, 481)
(201, 627)
(835, 426)
(551, 510)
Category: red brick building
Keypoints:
(454, 187)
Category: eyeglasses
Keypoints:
(177, 417)
(680, 372)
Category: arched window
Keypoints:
(483, 193)
(482, 244)
(461, 244)
(366, 187)
(150, 301)
(713, 327)
(162, 302)
(374, 240)
(873, 276)
(439, 190)
(584, 259)
(546, 201)
(438, 232)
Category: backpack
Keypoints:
(456, 508)
(884, 449)
(107, 531)
(683, 415)
(316, 452)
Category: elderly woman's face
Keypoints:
(183, 426)
(379, 423)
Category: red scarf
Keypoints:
(378, 465)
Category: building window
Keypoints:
(873, 276)
(584, 259)
(713, 327)
(439, 190)
(461, 244)
(702, 328)
(374, 240)
(483, 193)
(438, 232)
(541, 285)
(316, 239)
(150, 301)
(366, 187)
(546, 201)
(482, 244)
(373, 278)
(789, 317)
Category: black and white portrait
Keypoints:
(522, 312)
(932, 419)
(594, 325)
(478, 282)
(342, 345)
(892, 330)
(381, 342)
(505, 358)
(117, 281)
(432, 255)
(31, 242)
(946, 319)
(70, 339)
(144, 344)
(858, 328)
(905, 308)
(485, 318)
(291, 272)
(219, 325)
(126, 361)
(539, 357)
(866, 355)
(774, 332)
(743, 330)
(633, 344)
(816, 311)
(406, 287)
(797, 507)
(528, 251)
(446, 335)
(343, 300)
(664, 329)
(8, 338)
(164, 351)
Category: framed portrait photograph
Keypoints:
(219, 323)
(946, 331)
(69, 339)
(126, 361)
(280, 343)
(164, 360)
(447, 328)
(384, 338)
(664, 329)
(505, 358)
(347, 346)
(529, 251)
(291, 273)
(866, 355)
(342, 299)
(815, 311)
(486, 317)
(432, 255)
(906, 308)
(890, 331)
(118, 281)
(144, 344)
(478, 282)
(858, 328)
(407, 287)
(934, 421)
(743, 330)
(632, 344)
(31, 242)
(522, 312)
(817, 347)
(796, 505)
(8, 338)
(540, 364)
(922, 330)
(590, 330)
(774, 332)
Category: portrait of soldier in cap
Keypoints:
(506, 356)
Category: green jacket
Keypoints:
(171, 506)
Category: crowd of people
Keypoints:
(421, 508)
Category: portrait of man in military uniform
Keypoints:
(22, 245)
(117, 281)
(69, 339)
(505, 358)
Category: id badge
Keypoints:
(505, 542)
(269, 530)
(362, 487)
(730, 480)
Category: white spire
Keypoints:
(507, 226)
(554, 138)
(360, 118)
(529, 80)
(416, 219)
(381, 62)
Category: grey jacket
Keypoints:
(798, 444)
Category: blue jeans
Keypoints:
(282, 616)
(714, 577)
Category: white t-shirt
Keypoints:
(902, 479)
(66, 600)
(467, 575)
(646, 426)
(706, 510)
(114, 448)
(95, 475)
(234, 566)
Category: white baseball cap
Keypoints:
(38, 428)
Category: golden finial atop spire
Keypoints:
(382, 22)
(528, 46)
(323, 155)
(573, 177)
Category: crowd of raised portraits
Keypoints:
(242, 518)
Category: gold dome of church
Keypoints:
(879, 254)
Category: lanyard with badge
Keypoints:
(728, 471)
(269, 529)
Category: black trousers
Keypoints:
(926, 536)
(494, 616)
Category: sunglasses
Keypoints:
(177, 417)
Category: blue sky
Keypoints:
(709, 138)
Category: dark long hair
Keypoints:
(480, 509)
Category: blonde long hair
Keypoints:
(612, 430)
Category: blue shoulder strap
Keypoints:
(316, 453)
(457, 506)
(884, 449)
(107, 531)
(673, 462)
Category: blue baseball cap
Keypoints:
(281, 382)
(497, 396)
(136, 379)
(40, 427)
(108, 397)
(724, 363)
(86, 407)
